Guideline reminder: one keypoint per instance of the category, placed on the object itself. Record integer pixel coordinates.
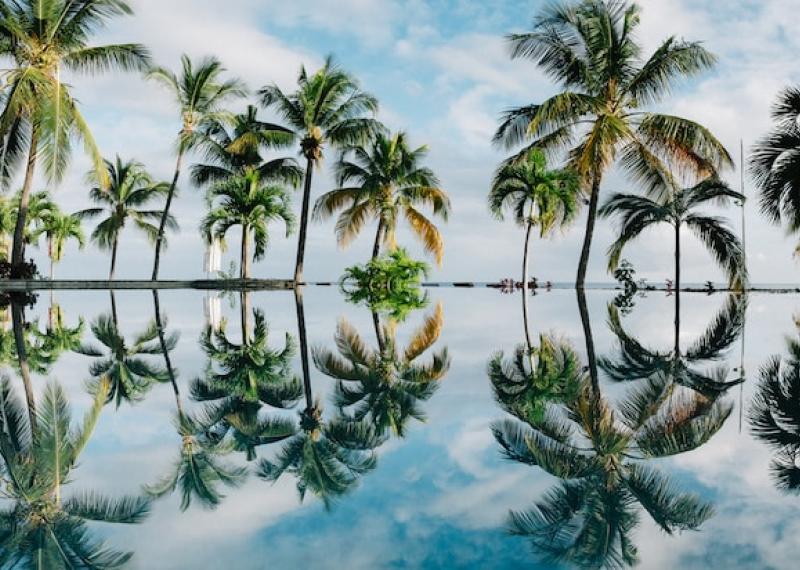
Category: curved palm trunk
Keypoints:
(525, 290)
(587, 237)
(165, 215)
(301, 238)
(18, 247)
(167, 360)
(376, 249)
(114, 310)
(587, 333)
(18, 323)
(113, 259)
(376, 323)
(677, 288)
(244, 261)
(301, 329)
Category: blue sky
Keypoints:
(442, 74)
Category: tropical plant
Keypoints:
(248, 201)
(129, 190)
(384, 387)
(385, 181)
(41, 118)
(600, 452)
(774, 163)
(390, 284)
(39, 528)
(201, 95)
(58, 229)
(639, 213)
(547, 199)
(589, 47)
(327, 109)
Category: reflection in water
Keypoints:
(385, 387)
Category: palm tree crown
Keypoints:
(589, 48)
(58, 228)
(384, 182)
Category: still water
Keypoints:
(428, 452)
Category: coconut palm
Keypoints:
(41, 118)
(129, 191)
(248, 201)
(774, 163)
(589, 47)
(327, 109)
(385, 387)
(199, 469)
(201, 95)
(537, 196)
(600, 452)
(39, 528)
(639, 213)
(8, 220)
(233, 150)
(58, 229)
(385, 182)
(124, 365)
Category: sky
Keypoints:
(442, 74)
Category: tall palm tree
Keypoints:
(599, 452)
(248, 201)
(201, 95)
(774, 163)
(130, 189)
(41, 118)
(639, 213)
(385, 181)
(58, 229)
(385, 386)
(589, 47)
(537, 197)
(328, 108)
(39, 528)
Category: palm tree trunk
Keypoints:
(113, 258)
(18, 323)
(244, 262)
(376, 249)
(165, 215)
(167, 360)
(677, 287)
(18, 248)
(114, 317)
(50, 255)
(301, 238)
(589, 339)
(301, 329)
(525, 288)
(244, 315)
(587, 237)
(376, 323)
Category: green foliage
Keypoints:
(389, 284)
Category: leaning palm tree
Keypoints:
(774, 163)
(385, 182)
(248, 201)
(385, 387)
(41, 118)
(639, 213)
(39, 528)
(201, 94)
(130, 189)
(600, 452)
(328, 108)
(58, 229)
(589, 47)
(537, 197)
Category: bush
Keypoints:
(27, 270)
(390, 284)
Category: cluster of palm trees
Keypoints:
(380, 176)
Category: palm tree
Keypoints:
(8, 220)
(42, 38)
(537, 197)
(59, 228)
(774, 163)
(385, 182)
(248, 201)
(385, 386)
(38, 527)
(639, 213)
(600, 452)
(328, 108)
(201, 95)
(589, 47)
(130, 189)
(124, 365)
